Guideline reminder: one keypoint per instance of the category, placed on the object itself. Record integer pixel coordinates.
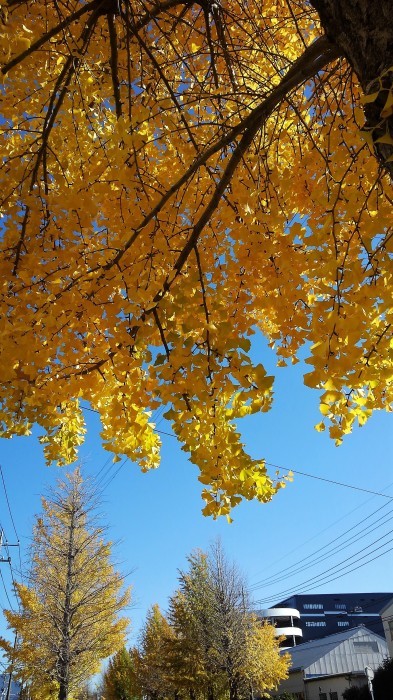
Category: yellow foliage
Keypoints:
(68, 613)
(168, 186)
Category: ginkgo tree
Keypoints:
(174, 176)
(68, 618)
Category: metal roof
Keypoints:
(345, 652)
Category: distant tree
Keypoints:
(247, 653)
(119, 682)
(222, 648)
(150, 657)
(383, 681)
(193, 655)
(68, 618)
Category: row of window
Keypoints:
(332, 696)
(312, 606)
(344, 623)
(337, 606)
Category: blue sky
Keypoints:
(156, 517)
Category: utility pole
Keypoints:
(370, 675)
(7, 560)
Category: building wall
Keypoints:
(329, 686)
(312, 689)
(293, 684)
(387, 621)
(325, 614)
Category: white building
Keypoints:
(323, 668)
(284, 621)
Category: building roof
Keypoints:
(387, 606)
(345, 652)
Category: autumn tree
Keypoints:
(176, 175)
(68, 612)
(119, 682)
(223, 649)
(150, 657)
(191, 613)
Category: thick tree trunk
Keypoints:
(363, 31)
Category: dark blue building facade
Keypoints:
(327, 613)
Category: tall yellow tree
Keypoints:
(210, 646)
(68, 612)
(153, 675)
(174, 176)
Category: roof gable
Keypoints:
(343, 652)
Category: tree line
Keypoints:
(208, 646)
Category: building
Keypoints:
(319, 615)
(285, 620)
(14, 688)
(387, 621)
(323, 668)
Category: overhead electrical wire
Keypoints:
(107, 478)
(302, 565)
(8, 503)
(5, 591)
(316, 535)
(288, 469)
(309, 585)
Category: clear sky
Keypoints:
(156, 517)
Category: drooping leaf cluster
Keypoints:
(210, 646)
(67, 620)
(174, 176)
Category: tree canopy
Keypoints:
(175, 176)
(211, 646)
(68, 611)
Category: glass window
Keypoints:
(312, 606)
(365, 647)
(333, 695)
(322, 696)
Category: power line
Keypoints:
(8, 503)
(288, 469)
(331, 481)
(300, 565)
(5, 591)
(325, 574)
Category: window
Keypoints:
(312, 606)
(322, 696)
(316, 624)
(365, 647)
(333, 695)
(343, 624)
